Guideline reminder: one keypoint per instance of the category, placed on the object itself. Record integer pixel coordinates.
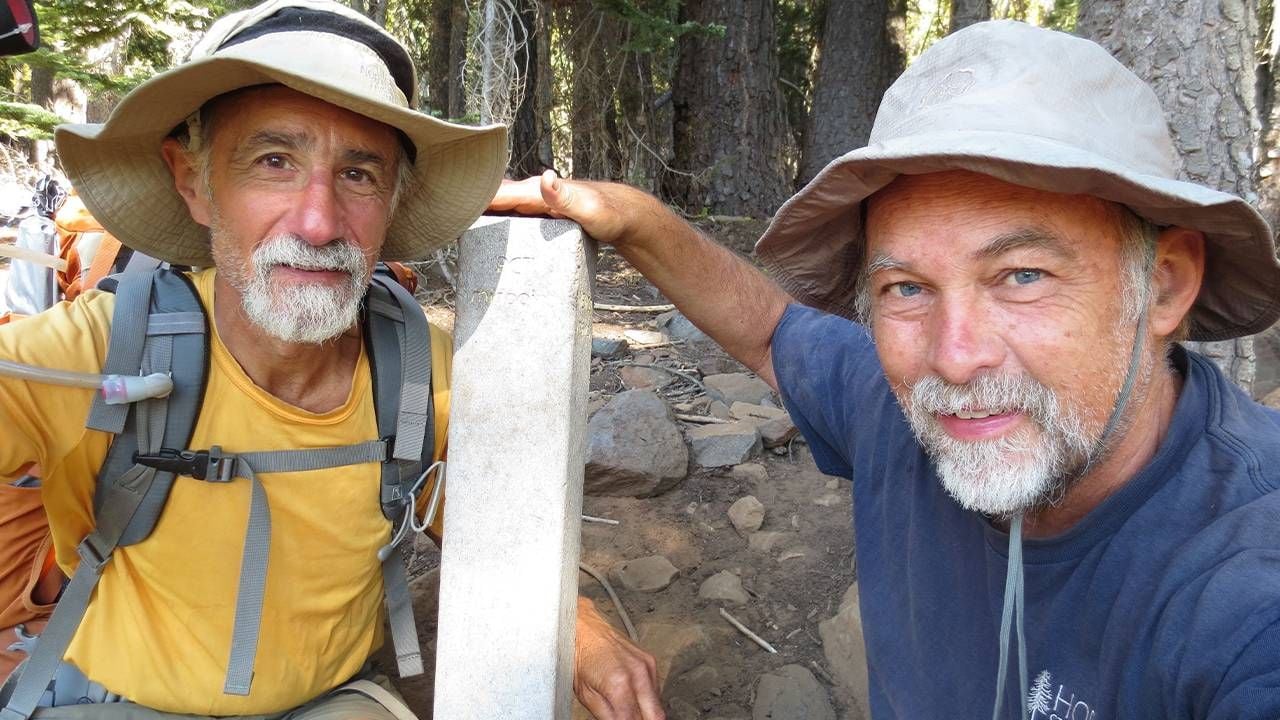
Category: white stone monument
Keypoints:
(517, 444)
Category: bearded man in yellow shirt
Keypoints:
(285, 158)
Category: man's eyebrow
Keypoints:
(265, 139)
(360, 156)
(882, 262)
(1031, 238)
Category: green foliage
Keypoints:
(798, 29)
(25, 120)
(654, 24)
(1063, 16)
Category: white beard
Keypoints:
(1008, 476)
(310, 314)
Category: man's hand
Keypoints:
(606, 211)
(613, 679)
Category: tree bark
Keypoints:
(861, 56)
(1199, 57)
(967, 12)
(730, 133)
(446, 58)
(594, 38)
(531, 131)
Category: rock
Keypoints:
(756, 414)
(681, 709)
(766, 540)
(646, 574)
(725, 586)
(716, 364)
(678, 327)
(846, 654)
(747, 515)
(608, 348)
(634, 447)
(719, 445)
(730, 712)
(639, 378)
(750, 472)
(777, 432)
(830, 499)
(718, 409)
(791, 693)
(695, 406)
(699, 682)
(731, 387)
(644, 337)
(678, 647)
(1272, 399)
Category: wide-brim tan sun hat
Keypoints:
(319, 48)
(1039, 109)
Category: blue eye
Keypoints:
(1026, 277)
(906, 289)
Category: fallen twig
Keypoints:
(622, 612)
(634, 308)
(594, 519)
(743, 629)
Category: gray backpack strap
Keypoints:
(400, 347)
(126, 490)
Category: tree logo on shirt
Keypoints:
(1044, 702)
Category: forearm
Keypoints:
(718, 291)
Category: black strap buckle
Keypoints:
(209, 465)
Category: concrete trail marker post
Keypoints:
(517, 449)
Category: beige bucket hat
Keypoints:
(1035, 108)
(317, 47)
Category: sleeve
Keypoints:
(824, 364)
(1251, 687)
(42, 422)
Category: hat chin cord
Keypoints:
(1014, 591)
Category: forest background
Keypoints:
(720, 107)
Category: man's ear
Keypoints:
(187, 180)
(1179, 272)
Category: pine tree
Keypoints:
(1040, 696)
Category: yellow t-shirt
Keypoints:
(158, 630)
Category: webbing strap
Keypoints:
(124, 354)
(404, 630)
(415, 369)
(175, 323)
(257, 540)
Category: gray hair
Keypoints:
(1138, 238)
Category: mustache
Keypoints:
(291, 250)
(996, 393)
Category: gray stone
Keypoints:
(750, 472)
(678, 327)
(730, 712)
(791, 693)
(716, 364)
(645, 337)
(719, 445)
(746, 514)
(738, 387)
(777, 432)
(646, 574)
(681, 709)
(830, 499)
(846, 654)
(756, 414)
(608, 348)
(634, 447)
(639, 378)
(1272, 399)
(699, 682)
(717, 409)
(725, 586)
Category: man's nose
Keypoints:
(963, 341)
(317, 217)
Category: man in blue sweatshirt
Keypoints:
(1056, 506)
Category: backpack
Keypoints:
(157, 324)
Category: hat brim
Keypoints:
(813, 246)
(119, 171)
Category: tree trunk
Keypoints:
(531, 131)
(967, 12)
(593, 38)
(730, 133)
(446, 58)
(861, 56)
(1199, 57)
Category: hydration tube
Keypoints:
(115, 389)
